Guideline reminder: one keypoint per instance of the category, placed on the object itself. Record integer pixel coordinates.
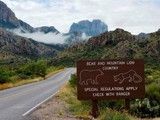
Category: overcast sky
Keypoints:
(132, 15)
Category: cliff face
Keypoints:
(7, 17)
(93, 28)
(8, 20)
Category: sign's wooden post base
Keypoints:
(95, 108)
(127, 105)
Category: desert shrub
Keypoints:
(152, 75)
(33, 69)
(153, 92)
(114, 104)
(73, 80)
(109, 114)
(148, 71)
(145, 108)
(4, 76)
(148, 107)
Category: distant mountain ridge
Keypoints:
(93, 28)
(23, 47)
(144, 35)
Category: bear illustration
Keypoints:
(89, 75)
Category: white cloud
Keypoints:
(133, 15)
(42, 37)
(85, 37)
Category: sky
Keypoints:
(134, 16)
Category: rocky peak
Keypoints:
(155, 35)
(7, 17)
(112, 38)
(25, 26)
(144, 35)
(46, 29)
(8, 20)
(93, 28)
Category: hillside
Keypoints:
(13, 47)
(113, 45)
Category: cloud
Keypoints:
(84, 36)
(50, 38)
(133, 15)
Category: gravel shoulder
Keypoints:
(56, 109)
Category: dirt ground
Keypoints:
(56, 109)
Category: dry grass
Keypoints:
(68, 94)
(54, 72)
(27, 81)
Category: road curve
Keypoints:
(16, 103)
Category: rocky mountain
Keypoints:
(144, 35)
(8, 20)
(26, 27)
(93, 28)
(118, 44)
(46, 29)
(75, 37)
(22, 47)
(7, 17)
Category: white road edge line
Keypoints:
(33, 108)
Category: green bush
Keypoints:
(148, 107)
(153, 92)
(4, 76)
(145, 108)
(109, 114)
(152, 75)
(114, 104)
(73, 80)
(33, 69)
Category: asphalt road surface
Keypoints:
(18, 102)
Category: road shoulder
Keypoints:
(55, 109)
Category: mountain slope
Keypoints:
(118, 44)
(23, 47)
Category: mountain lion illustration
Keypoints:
(131, 74)
(89, 75)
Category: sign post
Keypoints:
(110, 79)
(127, 105)
(95, 108)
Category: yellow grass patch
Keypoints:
(26, 81)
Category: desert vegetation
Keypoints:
(12, 75)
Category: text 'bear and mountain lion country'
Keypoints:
(110, 79)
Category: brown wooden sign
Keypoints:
(110, 79)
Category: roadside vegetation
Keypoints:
(11, 76)
(115, 109)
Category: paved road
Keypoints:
(16, 103)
